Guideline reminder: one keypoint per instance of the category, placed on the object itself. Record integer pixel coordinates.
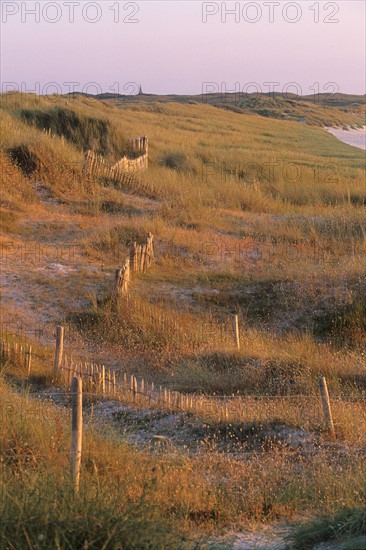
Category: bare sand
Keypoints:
(355, 138)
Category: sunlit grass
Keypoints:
(260, 216)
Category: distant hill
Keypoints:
(320, 110)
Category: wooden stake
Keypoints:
(59, 348)
(236, 330)
(28, 358)
(135, 388)
(326, 406)
(69, 373)
(103, 379)
(117, 283)
(109, 382)
(77, 432)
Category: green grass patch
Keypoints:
(346, 524)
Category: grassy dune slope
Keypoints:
(251, 214)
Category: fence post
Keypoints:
(77, 432)
(103, 379)
(28, 359)
(109, 381)
(326, 406)
(59, 348)
(117, 278)
(236, 330)
(135, 388)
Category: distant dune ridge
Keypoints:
(333, 110)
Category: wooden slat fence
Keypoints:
(102, 383)
(139, 260)
(10, 350)
(183, 328)
(120, 172)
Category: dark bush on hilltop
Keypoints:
(177, 160)
(84, 132)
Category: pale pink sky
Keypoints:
(169, 49)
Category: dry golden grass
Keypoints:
(289, 256)
(181, 493)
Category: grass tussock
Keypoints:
(16, 190)
(347, 528)
(177, 160)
